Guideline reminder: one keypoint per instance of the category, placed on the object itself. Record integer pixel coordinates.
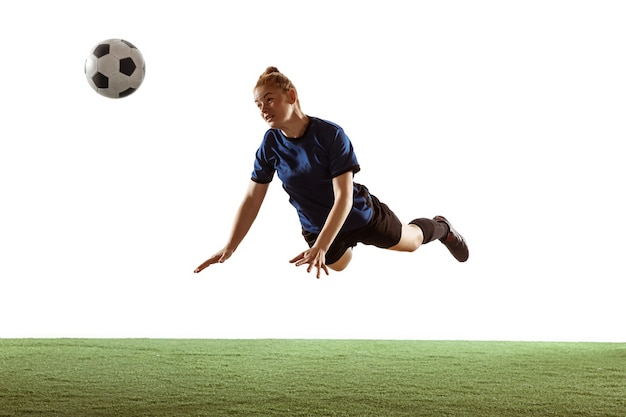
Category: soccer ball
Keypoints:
(115, 68)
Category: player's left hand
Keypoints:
(315, 258)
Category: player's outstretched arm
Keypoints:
(315, 256)
(248, 210)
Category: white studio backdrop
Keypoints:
(506, 117)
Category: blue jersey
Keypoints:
(306, 166)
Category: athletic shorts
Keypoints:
(383, 231)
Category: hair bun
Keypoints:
(271, 77)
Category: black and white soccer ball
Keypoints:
(115, 68)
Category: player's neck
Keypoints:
(296, 127)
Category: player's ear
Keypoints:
(292, 95)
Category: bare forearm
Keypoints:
(334, 222)
(244, 218)
(342, 188)
(246, 214)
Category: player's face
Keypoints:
(274, 105)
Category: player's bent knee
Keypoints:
(410, 240)
(414, 244)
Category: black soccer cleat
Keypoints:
(454, 241)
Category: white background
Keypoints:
(506, 117)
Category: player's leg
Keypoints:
(453, 240)
(343, 262)
(439, 228)
(422, 231)
(387, 231)
(410, 239)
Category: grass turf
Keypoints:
(175, 377)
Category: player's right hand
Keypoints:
(219, 257)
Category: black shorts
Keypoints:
(383, 231)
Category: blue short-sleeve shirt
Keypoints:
(306, 166)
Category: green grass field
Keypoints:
(171, 377)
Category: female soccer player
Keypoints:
(316, 163)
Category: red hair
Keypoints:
(271, 77)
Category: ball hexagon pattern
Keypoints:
(115, 68)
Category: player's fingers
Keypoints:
(321, 267)
(297, 258)
(310, 267)
(203, 265)
(213, 259)
(200, 268)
